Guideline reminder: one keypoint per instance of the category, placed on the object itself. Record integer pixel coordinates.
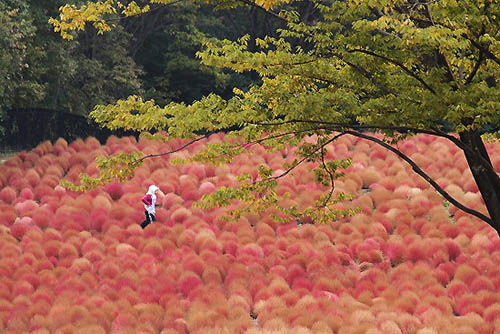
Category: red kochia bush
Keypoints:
(153, 247)
(481, 283)
(492, 313)
(192, 262)
(179, 215)
(251, 249)
(32, 177)
(188, 281)
(43, 190)
(456, 289)
(466, 274)
(68, 250)
(114, 189)
(22, 288)
(206, 187)
(8, 195)
(26, 193)
(171, 199)
(26, 206)
(109, 270)
(21, 226)
(212, 275)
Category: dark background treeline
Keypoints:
(26, 128)
(48, 85)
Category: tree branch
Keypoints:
(368, 75)
(476, 68)
(335, 126)
(478, 46)
(401, 129)
(330, 174)
(307, 156)
(173, 151)
(486, 51)
(420, 172)
(404, 68)
(261, 140)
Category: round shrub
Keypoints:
(8, 195)
(114, 189)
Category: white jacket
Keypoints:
(151, 191)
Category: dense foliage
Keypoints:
(395, 67)
(18, 53)
(153, 55)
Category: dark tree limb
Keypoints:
(360, 69)
(401, 129)
(476, 68)
(486, 51)
(424, 175)
(487, 179)
(403, 67)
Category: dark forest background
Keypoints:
(49, 85)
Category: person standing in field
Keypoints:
(149, 200)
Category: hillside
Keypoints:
(408, 263)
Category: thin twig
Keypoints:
(332, 178)
(305, 158)
(258, 141)
(172, 151)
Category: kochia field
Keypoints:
(407, 263)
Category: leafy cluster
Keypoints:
(120, 166)
(260, 195)
(395, 67)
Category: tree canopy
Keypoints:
(394, 67)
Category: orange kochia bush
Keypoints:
(72, 262)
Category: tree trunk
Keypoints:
(486, 179)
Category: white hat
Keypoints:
(152, 189)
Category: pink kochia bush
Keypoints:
(406, 264)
